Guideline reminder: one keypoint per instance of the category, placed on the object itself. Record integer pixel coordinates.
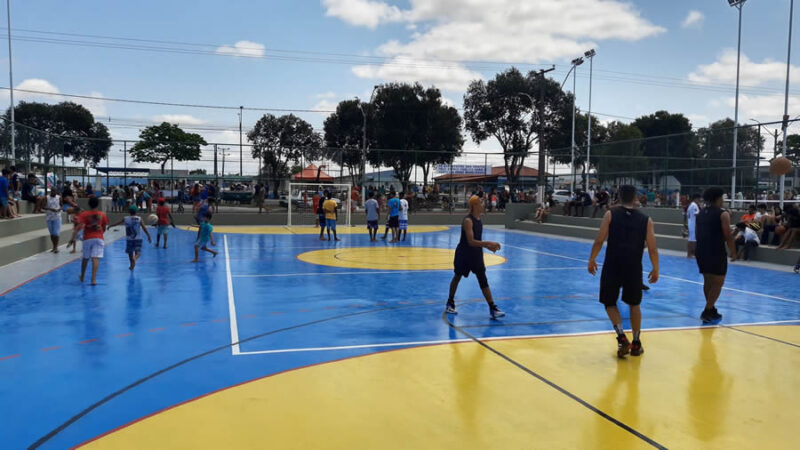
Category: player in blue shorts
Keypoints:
(133, 236)
(204, 237)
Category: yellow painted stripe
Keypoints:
(307, 230)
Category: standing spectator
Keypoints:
(115, 200)
(691, 224)
(53, 216)
(212, 197)
(4, 194)
(258, 196)
(89, 190)
(713, 233)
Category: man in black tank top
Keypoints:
(627, 230)
(469, 258)
(713, 232)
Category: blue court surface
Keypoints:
(77, 361)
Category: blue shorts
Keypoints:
(4, 201)
(331, 224)
(163, 230)
(321, 218)
(404, 224)
(54, 227)
(133, 246)
(372, 224)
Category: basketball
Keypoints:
(152, 219)
(780, 166)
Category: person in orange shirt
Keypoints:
(164, 221)
(750, 216)
(93, 223)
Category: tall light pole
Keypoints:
(575, 63)
(241, 151)
(738, 4)
(11, 84)
(758, 158)
(364, 146)
(782, 178)
(589, 54)
(541, 167)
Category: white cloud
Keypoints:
(764, 108)
(694, 19)
(326, 95)
(180, 119)
(43, 87)
(474, 30)
(447, 76)
(243, 49)
(723, 70)
(325, 104)
(363, 13)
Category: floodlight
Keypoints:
(577, 61)
(590, 53)
(736, 2)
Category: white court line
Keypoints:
(741, 291)
(499, 338)
(379, 272)
(231, 303)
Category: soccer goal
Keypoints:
(303, 199)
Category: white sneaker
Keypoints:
(495, 312)
(450, 308)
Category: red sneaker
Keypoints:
(636, 348)
(623, 346)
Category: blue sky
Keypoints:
(650, 56)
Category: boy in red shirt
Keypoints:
(93, 223)
(164, 221)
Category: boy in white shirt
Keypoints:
(403, 216)
(53, 216)
(691, 219)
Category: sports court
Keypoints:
(283, 341)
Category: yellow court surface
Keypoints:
(228, 229)
(693, 388)
(390, 258)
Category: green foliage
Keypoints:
(792, 147)
(279, 141)
(715, 152)
(160, 143)
(198, 172)
(47, 131)
(412, 127)
(497, 109)
(344, 133)
(622, 155)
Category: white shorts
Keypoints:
(93, 248)
(692, 234)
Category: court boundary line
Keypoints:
(231, 302)
(555, 386)
(501, 338)
(741, 291)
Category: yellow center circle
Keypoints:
(390, 258)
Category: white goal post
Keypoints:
(300, 201)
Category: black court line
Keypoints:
(760, 335)
(556, 322)
(554, 385)
(140, 381)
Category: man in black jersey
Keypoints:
(469, 258)
(713, 232)
(627, 230)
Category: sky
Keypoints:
(677, 55)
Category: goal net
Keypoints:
(304, 198)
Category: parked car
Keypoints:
(561, 196)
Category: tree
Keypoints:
(792, 147)
(198, 172)
(715, 153)
(497, 109)
(443, 140)
(160, 143)
(622, 155)
(669, 145)
(406, 121)
(280, 141)
(344, 132)
(64, 129)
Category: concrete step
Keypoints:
(664, 215)
(668, 229)
(24, 224)
(22, 245)
(768, 254)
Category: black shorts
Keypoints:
(630, 282)
(715, 265)
(394, 222)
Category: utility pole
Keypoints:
(738, 4)
(589, 54)
(241, 152)
(782, 179)
(542, 165)
(11, 85)
(216, 174)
